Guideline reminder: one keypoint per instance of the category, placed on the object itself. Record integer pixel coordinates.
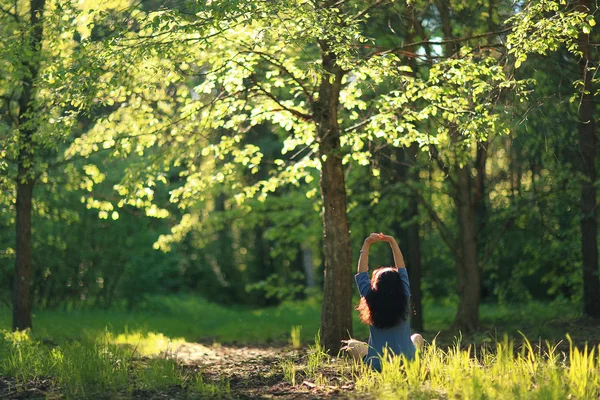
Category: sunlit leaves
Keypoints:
(543, 25)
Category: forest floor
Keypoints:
(206, 366)
(252, 372)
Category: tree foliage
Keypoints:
(197, 134)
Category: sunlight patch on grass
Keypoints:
(146, 343)
(295, 336)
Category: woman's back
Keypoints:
(396, 338)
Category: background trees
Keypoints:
(206, 131)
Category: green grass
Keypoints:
(160, 374)
(501, 370)
(193, 319)
(190, 318)
(91, 352)
(487, 373)
(99, 367)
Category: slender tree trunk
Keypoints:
(414, 244)
(225, 256)
(410, 241)
(263, 259)
(307, 262)
(25, 181)
(467, 316)
(23, 265)
(587, 149)
(480, 193)
(412, 213)
(480, 203)
(336, 317)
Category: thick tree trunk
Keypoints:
(336, 317)
(467, 316)
(587, 149)
(25, 181)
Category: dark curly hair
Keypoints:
(386, 303)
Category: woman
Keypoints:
(384, 306)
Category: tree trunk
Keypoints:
(225, 267)
(263, 258)
(25, 181)
(307, 262)
(480, 201)
(410, 242)
(587, 149)
(467, 316)
(413, 239)
(414, 254)
(336, 317)
(23, 265)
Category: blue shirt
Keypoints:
(396, 338)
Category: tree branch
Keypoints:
(368, 8)
(10, 14)
(440, 42)
(296, 113)
(273, 61)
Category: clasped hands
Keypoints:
(378, 237)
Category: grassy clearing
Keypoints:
(499, 371)
(190, 318)
(195, 320)
(88, 353)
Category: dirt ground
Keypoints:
(255, 372)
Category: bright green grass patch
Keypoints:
(208, 390)
(190, 318)
(88, 369)
(159, 374)
(496, 373)
(146, 343)
(24, 359)
(103, 366)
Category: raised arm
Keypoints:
(398, 258)
(363, 259)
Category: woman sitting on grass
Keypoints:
(384, 306)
